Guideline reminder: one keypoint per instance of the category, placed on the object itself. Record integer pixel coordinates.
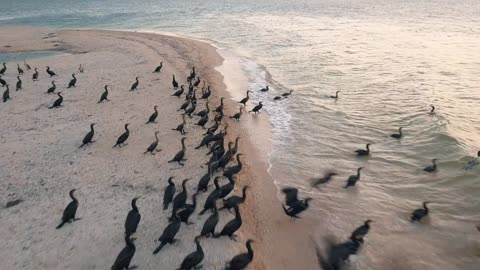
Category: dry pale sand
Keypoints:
(40, 160)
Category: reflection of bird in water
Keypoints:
(473, 162)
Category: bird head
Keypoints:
(368, 221)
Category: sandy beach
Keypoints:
(41, 159)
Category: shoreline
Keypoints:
(262, 214)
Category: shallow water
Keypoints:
(390, 60)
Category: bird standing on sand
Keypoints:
(169, 193)
(237, 115)
(169, 233)
(153, 145)
(241, 261)
(208, 228)
(57, 102)
(420, 213)
(431, 168)
(232, 226)
(206, 94)
(193, 259)
(179, 157)
(179, 93)
(181, 198)
(233, 201)
(6, 94)
(50, 72)
(352, 180)
(121, 140)
(80, 68)
(257, 108)
(133, 218)
(19, 84)
(187, 210)
(19, 70)
(88, 138)
(104, 95)
(125, 256)
(158, 68)
(52, 88)
(245, 99)
(174, 82)
(181, 127)
(2, 81)
(70, 211)
(2, 71)
(35, 75)
(154, 115)
(72, 82)
(135, 84)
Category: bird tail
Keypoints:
(61, 225)
(81, 145)
(114, 145)
(159, 248)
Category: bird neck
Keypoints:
(73, 197)
(184, 188)
(156, 137)
(244, 194)
(91, 128)
(134, 205)
(129, 242)
(199, 247)
(183, 145)
(358, 172)
(239, 161)
(217, 186)
(250, 250)
(155, 108)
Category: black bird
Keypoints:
(192, 108)
(257, 108)
(277, 98)
(72, 82)
(235, 147)
(154, 115)
(359, 233)
(184, 106)
(208, 228)
(205, 141)
(266, 89)
(212, 198)
(35, 75)
(314, 182)
(336, 95)
(202, 122)
(352, 180)
(197, 82)
(50, 72)
(70, 211)
(158, 68)
(297, 207)
(241, 261)
(287, 94)
(19, 69)
(52, 88)
(174, 82)
(218, 117)
(88, 138)
(232, 226)
(179, 157)
(135, 84)
(207, 93)
(235, 200)
(432, 110)
(57, 102)
(6, 94)
(226, 157)
(2, 81)
(133, 218)
(213, 128)
(80, 68)
(362, 152)
(193, 259)
(431, 168)
(153, 145)
(219, 109)
(227, 188)
(337, 254)
(231, 171)
(291, 196)
(2, 71)
(204, 112)
(181, 198)
(420, 213)
(125, 256)
(245, 99)
(169, 233)
(104, 95)
(27, 66)
(121, 140)
(399, 135)
(237, 115)
(187, 210)
(178, 93)
(169, 193)
(19, 84)
(181, 127)
(205, 180)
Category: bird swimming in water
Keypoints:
(237, 115)
(257, 108)
(88, 138)
(352, 180)
(473, 162)
(19, 70)
(337, 254)
(6, 94)
(179, 93)
(277, 98)
(431, 168)
(153, 145)
(125, 256)
(193, 259)
(104, 95)
(169, 193)
(19, 84)
(314, 182)
(57, 102)
(210, 224)
(232, 226)
(80, 68)
(133, 218)
(2, 81)
(336, 95)
(398, 135)
(154, 115)
(158, 68)
(121, 140)
(265, 89)
(52, 88)
(4, 68)
(233, 201)
(169, 233)
(174, 82)
(241, 261)
(362, 152)
(72, 82)
(50, 72)
(179, 157)
(135, 84)
(35, 75)
(245, 99)
(420, 213)
(70, 211)
(287, 94)
(359, 233)
(181, 127)
(432, 110)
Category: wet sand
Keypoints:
(41, 161)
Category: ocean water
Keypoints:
(390, 59)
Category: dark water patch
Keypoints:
(20, 56)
